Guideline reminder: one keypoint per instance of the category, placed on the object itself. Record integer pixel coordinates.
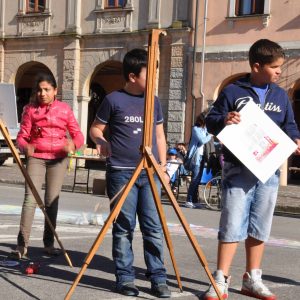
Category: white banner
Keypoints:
(8, 105)
(257, 142)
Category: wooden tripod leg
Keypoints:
(32, 187)
(115, 211)
(162, 218)
(183, 221)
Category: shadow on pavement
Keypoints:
(49, 271)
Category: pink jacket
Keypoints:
(45, 127)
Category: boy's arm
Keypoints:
(220, 115)
(161, 145)
(297, 151)
(96, 133)
(291, 128)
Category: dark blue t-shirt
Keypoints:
(124, 115)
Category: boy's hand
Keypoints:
(297, 151)
(232, 117)
(103, 147)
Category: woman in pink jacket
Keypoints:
(43, 138)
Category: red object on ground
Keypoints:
(32, 268)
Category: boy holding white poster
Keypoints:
(248, 204)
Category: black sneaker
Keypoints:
(128, 289)
(160, 290)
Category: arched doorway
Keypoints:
(294, 160)
(106, 78)
(24, 83)
(226, 82)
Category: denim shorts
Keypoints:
(248, 204)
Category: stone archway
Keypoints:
(24, 83)
(294, 94)
(226, 82)
(106, 78)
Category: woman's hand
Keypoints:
(29, 150)
(69, 147)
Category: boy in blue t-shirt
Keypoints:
(122, 113)
(248, 204)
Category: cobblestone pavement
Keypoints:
(288, 196)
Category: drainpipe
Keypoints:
(203, 54)
(194, 61)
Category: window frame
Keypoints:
(107, 6)
(256, 8)
(36, 7)
(232, 9)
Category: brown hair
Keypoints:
(200, 120)
(265, 52)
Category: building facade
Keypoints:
(224, 32)
(82, 43)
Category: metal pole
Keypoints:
(203, 54)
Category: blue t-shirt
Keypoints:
(261, 92)
(124, 115)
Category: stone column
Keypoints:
(71, 64)
(83, 109)
(73, 16)
(283, 174)
(154, 14)
(1, 61)
(2, 15)
(176, 109)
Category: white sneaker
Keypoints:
(222, 284)
(254, 287)
(189, 204)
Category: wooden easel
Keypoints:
(31, 186)
(148, 162)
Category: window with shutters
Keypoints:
(35, 6)
(115, 3)
(249, 7)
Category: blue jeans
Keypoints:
(193, 188)
(139, 202)
(247, 204)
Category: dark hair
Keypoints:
(133, 62)
(265, 52)
(48, 77)
(200, 120)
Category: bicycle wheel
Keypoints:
(212, 193)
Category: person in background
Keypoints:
(43, 139)
(247, 203)
(181, 151)
(172, 166)
(199, 137)
(122, 112)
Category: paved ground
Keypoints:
(77, 230)
(288, 197)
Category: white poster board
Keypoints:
(257, 142)
(8, 105)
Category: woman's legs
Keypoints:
(36, 169)
(55, 173)
(193, 188)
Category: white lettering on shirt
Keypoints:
(133, 119)
(270, 106)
